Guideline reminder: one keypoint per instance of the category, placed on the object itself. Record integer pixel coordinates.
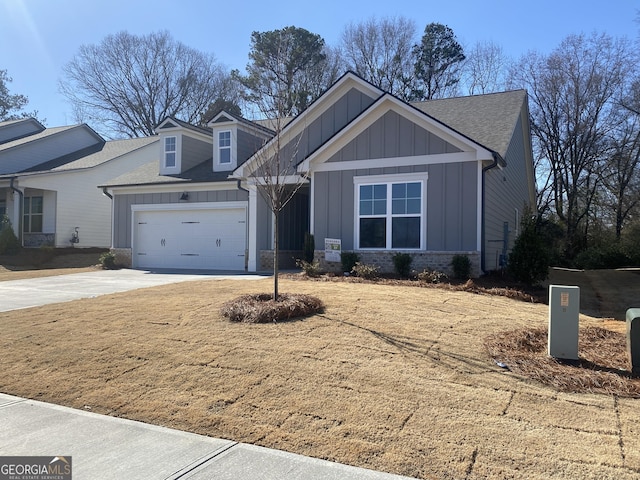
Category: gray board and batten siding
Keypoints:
(451, 188)
(122, 207)
(193, 151)
(331, 121)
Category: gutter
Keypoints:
(21, 209)
(493, 164)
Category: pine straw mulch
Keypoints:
(488, 285)
(261, 308)
(603, 365)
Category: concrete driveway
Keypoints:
(16, 294)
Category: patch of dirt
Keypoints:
(389, 377)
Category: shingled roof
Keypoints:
(488, 119)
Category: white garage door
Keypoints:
(193, 239)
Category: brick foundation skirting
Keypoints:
(286, 261)
(439, 261)
(123, 256)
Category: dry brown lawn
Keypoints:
(393, 378)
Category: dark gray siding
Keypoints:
(391, 136)
(194, 152)
(248, 144)
(330, 122)
(122, 207)
(506, 189)
(451, 204)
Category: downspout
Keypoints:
(106, 194)
(20, 209)
(483, 222)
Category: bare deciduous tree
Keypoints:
(485, 68)
(128, 84)
(572, 93)
(380, 51)
(621, 172)
(272, 171)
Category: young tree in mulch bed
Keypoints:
(262, 308)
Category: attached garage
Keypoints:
(204, 236)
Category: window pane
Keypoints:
(366, 192)
(413, 206)
(170, 159)
(36, 223)
(414, 190)
(373, 200)
(36, 204)
(170, 144)
(405, 232)
(399, 190)
(380, 207)
(380, 192)
(398, 207)
(366, 207)
(373, 233)
(225, 155)
(224, 139)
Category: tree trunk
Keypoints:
(275, 256)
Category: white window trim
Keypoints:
(390, 180)
(175, 152)
(220, 148)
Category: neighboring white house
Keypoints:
(48, 179)
(432, 179)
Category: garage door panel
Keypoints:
(194, 239)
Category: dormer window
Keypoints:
(170, 152)
(224, 147)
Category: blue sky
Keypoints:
(38, 37)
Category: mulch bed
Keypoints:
(603, 365)
(262, 308)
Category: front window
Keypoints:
(33, 214)
(390, 215)
(224, 146)
(170, 152)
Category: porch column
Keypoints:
(14, 212)
(252, 264)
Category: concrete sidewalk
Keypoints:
(33, 292)
(103, 447)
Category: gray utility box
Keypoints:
(564, 311)
(633, 339)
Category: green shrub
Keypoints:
(432, 276)
(529, 259)
(9, 243)
(348, 260)
(310, 269)
(308, 248)
(461, 266)
(364, 271)
(108, 260)
(402, 264)
(610, 256)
